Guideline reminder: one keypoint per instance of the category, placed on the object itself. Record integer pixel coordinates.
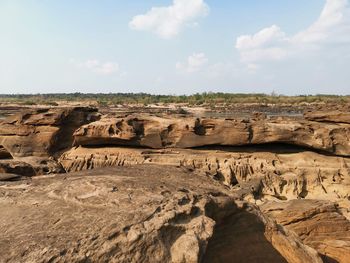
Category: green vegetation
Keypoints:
(146, 99)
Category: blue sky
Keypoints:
(175, 47)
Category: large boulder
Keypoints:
(42, 132)
(155, 132)
(137, 214)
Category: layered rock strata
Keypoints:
(155, 132)
(30, 166)
(328, 116)
(42, 132)
(133, 191)
(272, 175)
(318, 223)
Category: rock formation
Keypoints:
(156, 132)
(145, 188)
(328, 116)
(30, 139)
(273, 175)
(42, 132)
(319, 224)
(136, 214)
(30, 166)
(4, 154)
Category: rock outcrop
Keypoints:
(42, 132)
(4, 154)
(328, 116)
(318, 223)
(142, 188)
(30, 166)
(156, 132)
(277, 175)
(136, 214)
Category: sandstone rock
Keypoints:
(328, 116)
(160, 201)
(42, 132)
(133, 214)
(251, 229)
(318, 223)
(9, 177)
(4, 154)
(155, 132)
(30, 166)
(277, 175)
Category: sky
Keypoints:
(288, 47)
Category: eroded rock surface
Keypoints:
(4, 154)
(129, 214)
(42, 132)
(31, 166)
(137, 188)
(272, 175)
(328, 116)
(318, 223)
(155, 132)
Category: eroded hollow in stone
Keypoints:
(240, 238)
(5, 154)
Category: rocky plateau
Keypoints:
(80, 186)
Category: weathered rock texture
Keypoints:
(328, 116)
(318, 223)
(136, 214)
(30, 166)
(272, 175)
(155, 132)
(4, 154)
(42, 132)
(156, 200)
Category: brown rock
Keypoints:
(318, 223)
(272, 175)
(42, 132)
(252, 230)
(328, 116)
(155, 132)
(133, 214)
(9, 177)
(30, 166)
(4, 154)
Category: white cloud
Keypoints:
(167, 22)
(271, 43)
(101, 68)
(333, 19)
(266, 44)
(194, 63)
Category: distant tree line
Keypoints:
(206, 98)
